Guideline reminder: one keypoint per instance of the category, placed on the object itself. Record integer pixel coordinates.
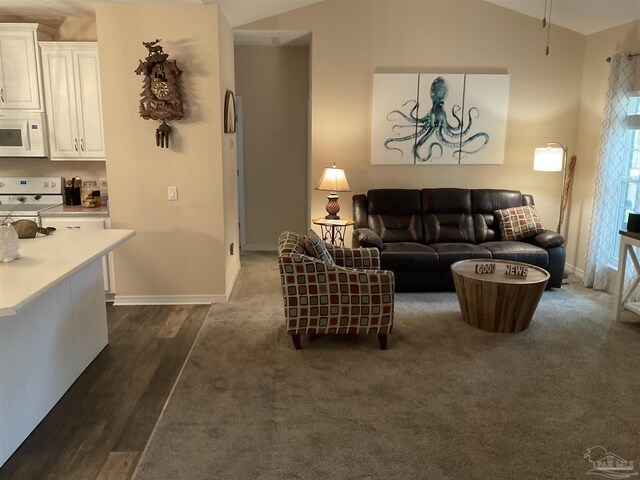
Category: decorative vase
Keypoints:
(9, 244)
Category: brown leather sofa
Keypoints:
(420, 233)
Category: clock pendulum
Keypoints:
(160, 98)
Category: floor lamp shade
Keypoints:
(333, 180)
(548, 159)
(552, 158)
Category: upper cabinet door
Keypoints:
(19, 87)
(89, 105)
(71, 77)
(60, 94)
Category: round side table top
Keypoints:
(467, 268)
(341, 222)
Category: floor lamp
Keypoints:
(553, 158)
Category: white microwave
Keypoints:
(23, 134)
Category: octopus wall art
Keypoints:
(439, 119)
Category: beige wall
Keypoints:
(274, 84)
(595, 74)
(229, 158)
(352, 40)
(180, 246)
(67, 29)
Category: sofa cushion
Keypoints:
(316, 248)
(393, 201)
(518, 252)
(397, 228)
(394, 214)
(519, 222)
(446, 215)
(486, 201)
(446, 200)
(408, 256)
(448, 227)
(449, 253)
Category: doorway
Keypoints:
(273, 92)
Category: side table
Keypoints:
(628, 240)
(333, 231)
(495, 301)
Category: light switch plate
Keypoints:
(172, 193)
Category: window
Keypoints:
(630, 176)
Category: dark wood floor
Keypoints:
(102, 424)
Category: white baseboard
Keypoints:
(260, 248)
(169, 299)
(574, 270)
(120, 300)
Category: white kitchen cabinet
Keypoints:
(87, 223)
(71, 77)
(20, 84)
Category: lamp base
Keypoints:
(332, 207)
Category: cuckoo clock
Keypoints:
(160, 97)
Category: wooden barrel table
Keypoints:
(492, 300)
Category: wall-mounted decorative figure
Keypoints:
(160, 97)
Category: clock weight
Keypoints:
(162, 135)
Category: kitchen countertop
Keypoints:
(75, 211)
(46, 261)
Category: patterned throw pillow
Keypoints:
(317, 248)
(519, 222)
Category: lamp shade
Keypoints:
(333, 180)
(548, 159)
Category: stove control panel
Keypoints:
(31, 185)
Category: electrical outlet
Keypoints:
(231, 249)
(172, 193)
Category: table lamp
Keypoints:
(333, 180)
(552, 158)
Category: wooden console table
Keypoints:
(628, 240)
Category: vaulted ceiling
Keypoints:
(584, 16)
(238, 12)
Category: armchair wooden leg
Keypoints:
(382, 340)
(296, 341)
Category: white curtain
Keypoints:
(611, 164)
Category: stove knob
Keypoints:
(46, 184)
(1, 184)
(53, 184)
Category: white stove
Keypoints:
(25, 197)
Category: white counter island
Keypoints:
(53, 323)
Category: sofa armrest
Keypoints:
(547, 239)
(362, 258)
(365, 237)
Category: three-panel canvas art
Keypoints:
(439, 119)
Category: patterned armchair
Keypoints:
(346, 298)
